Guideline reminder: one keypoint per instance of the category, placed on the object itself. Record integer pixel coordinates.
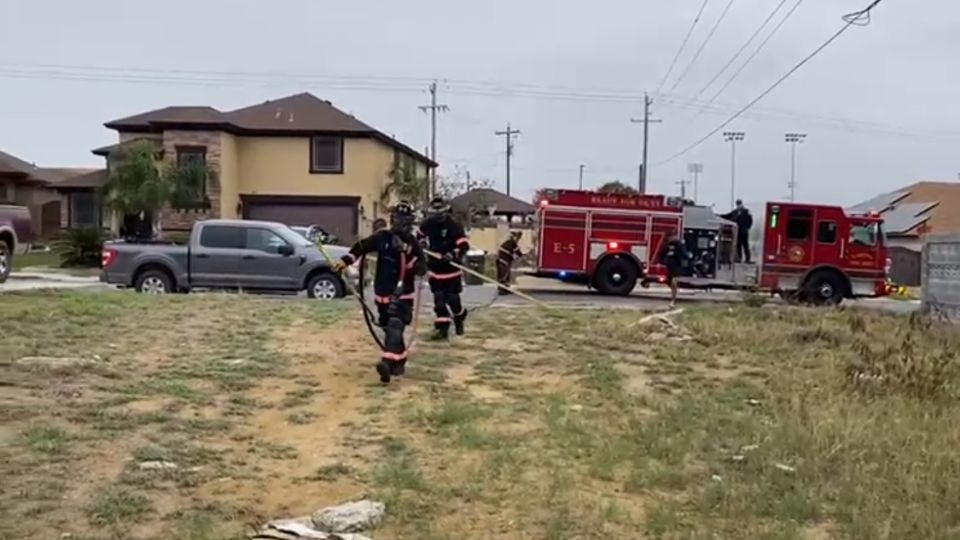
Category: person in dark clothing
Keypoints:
(672, 256)
(399, 260)
(378, 224)
(509, 252)
(744, 220)
(446, 237)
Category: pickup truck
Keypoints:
(228, 254)
(16, 233)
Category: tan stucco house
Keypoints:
(25, 184)
(298, 160)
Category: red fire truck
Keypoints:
(611, 242)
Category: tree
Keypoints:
(405, 184)
(135, 185)
(188, 184)
(617, 187)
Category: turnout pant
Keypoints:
(743, 247)
(446, 302)
(504, 274)
(394, 317)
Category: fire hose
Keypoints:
(480, 276)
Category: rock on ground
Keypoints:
(301, 529)
(352, 517)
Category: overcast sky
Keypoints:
(879, 105)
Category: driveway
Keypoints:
(20, 282)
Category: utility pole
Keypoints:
(508, 136)
(581, 176)
(733, 137)
(434, 108)
(695, 169)
(793, 139)
(646, 121)
(683, 188)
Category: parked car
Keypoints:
(227, 254)
(16, 233)
(315, 233)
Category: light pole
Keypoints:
(733, 137)
(581, 176)
(695, 169)
(793, 139)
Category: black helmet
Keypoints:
(438, 206)
(402, 216)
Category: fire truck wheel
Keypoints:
(616, 276)
(825, 288)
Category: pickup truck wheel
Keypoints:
(6, 261)
(325, 287)
(154, 282)
(616, 276)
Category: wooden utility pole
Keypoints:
(508, 136)
(433, 108)
(646, 121)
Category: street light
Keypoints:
(733, 137)
(793, 139)
(582, 166)
(695, 169)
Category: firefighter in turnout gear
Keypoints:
(445, 236)
(399, 260)
(509, 252)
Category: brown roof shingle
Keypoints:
(89, 180)
(945, 217)
(297, 114)
(490, 198)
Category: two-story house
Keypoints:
(297, 160)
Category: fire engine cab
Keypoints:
(611, 242)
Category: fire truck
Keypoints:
(611, 242)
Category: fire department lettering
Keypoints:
(569, 249)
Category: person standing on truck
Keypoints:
(672, 256)
(509, 252)
(399, 260)
(744, 220)
(445, 236)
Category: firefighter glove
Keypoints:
(339, 266)
(450, 256)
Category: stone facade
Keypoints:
(183, 220)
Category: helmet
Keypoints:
(402, 216)
(438, 206)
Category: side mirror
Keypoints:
(285, 250)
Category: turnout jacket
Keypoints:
(399, 260)
(444, 235)
(509, 251)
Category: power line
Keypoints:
(683, 45)
(742, 49)
(852, 19)
(703, 46)
(755, 53)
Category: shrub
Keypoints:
(80, 247)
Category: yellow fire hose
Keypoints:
(478, 275)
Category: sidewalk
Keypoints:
(35, 275)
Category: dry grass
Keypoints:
(742, 423)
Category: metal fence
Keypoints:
(941, 276)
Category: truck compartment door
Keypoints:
(564, 240)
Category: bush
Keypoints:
(80, 247)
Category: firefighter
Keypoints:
(744, 220)
(672, 256)
(399, 260)
(509, 252)
(445, 236)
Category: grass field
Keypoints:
(739, 423)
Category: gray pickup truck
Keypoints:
(228, 254)
(16, 233)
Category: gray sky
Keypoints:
(879, 104)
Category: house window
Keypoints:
(4, 193)
(84, 209)
(189, 155)
(827, 232)
(326, 155)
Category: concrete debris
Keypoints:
(785, 468)
(355, 516)
(750, 448)
(301, 528)
(576, 408)
(717, 478)
(54, 362)
(157, 466)
(753, 402)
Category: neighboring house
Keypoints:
(490, 217)
(909, 215)
(297, 160)
(25, 184)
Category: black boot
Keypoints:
(442, 333)
(398, 368)
(383, 369)
(458, 322)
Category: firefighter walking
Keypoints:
(445, 237)
(508, 253)
(399, 260)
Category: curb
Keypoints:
(54, 277)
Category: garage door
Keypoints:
(336, 216)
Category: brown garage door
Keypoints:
(337, 215)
